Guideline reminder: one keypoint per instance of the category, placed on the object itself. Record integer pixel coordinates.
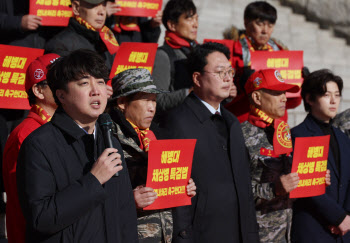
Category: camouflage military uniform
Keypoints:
(155, 226)
(342, 121)
(274, 213)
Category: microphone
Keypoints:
(106, 124)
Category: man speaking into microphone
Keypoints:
(65, 180)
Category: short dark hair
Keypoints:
(197, 59)
(73, 67)
(31, 95)
(260, 10)
(315, 85)
(174, 8)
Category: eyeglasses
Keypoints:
(222, 74)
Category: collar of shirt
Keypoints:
(209, 107)
(86, 131)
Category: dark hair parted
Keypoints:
(74, 67)
(197, 59)
(260, 10)
(315, 85)
(31, 95)
(174, 8)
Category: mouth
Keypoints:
(99, 21)
(96, 104)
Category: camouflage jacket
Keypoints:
(274, 213)
(154, 225)
(342, 121)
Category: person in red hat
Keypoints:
(43, 107)
(268, 140)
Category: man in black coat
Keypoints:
(86, 30)
(65, 176)
(223, 210)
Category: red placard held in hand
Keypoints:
(169, 170)
(14, 62)
(288, 63)
(53, 12)
(134, 55)
(310, 162)
(139, 8)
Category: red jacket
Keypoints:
(15, 222)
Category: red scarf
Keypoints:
(45, 117)
(145, 136)
(175, 41)
(106, 35)
(126, 24)
(282, 141)
(253, 48)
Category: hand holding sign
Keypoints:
(30, 22)
(144, 196)
(288, 183)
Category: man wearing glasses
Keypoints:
(223, 210)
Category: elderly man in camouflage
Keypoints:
(132, 108)
(269, 142)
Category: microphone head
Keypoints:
(105, 120)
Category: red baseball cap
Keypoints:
(37, 70)
(268, 79)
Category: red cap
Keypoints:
(268, 79)
(37, 70)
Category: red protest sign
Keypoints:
(14, 62)
(139, 8)
(169, 169)
(288, 63)
(134, 55)
(228, 43)
(53, 12)
(310, 162)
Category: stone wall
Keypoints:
(331, 14)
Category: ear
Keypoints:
(196, 76)
(308, 100)
(38, 92)
(256, 97)
(121, 103)
(171, 26)
(75, 7)
(61, 95)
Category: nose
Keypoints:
(284, 97)
(101, 10)
(195, 23)
(264, 28)
(152, 106)
(333, 99)
(95, 90)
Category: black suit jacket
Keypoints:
(208, 219)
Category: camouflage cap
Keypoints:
(132, 81)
